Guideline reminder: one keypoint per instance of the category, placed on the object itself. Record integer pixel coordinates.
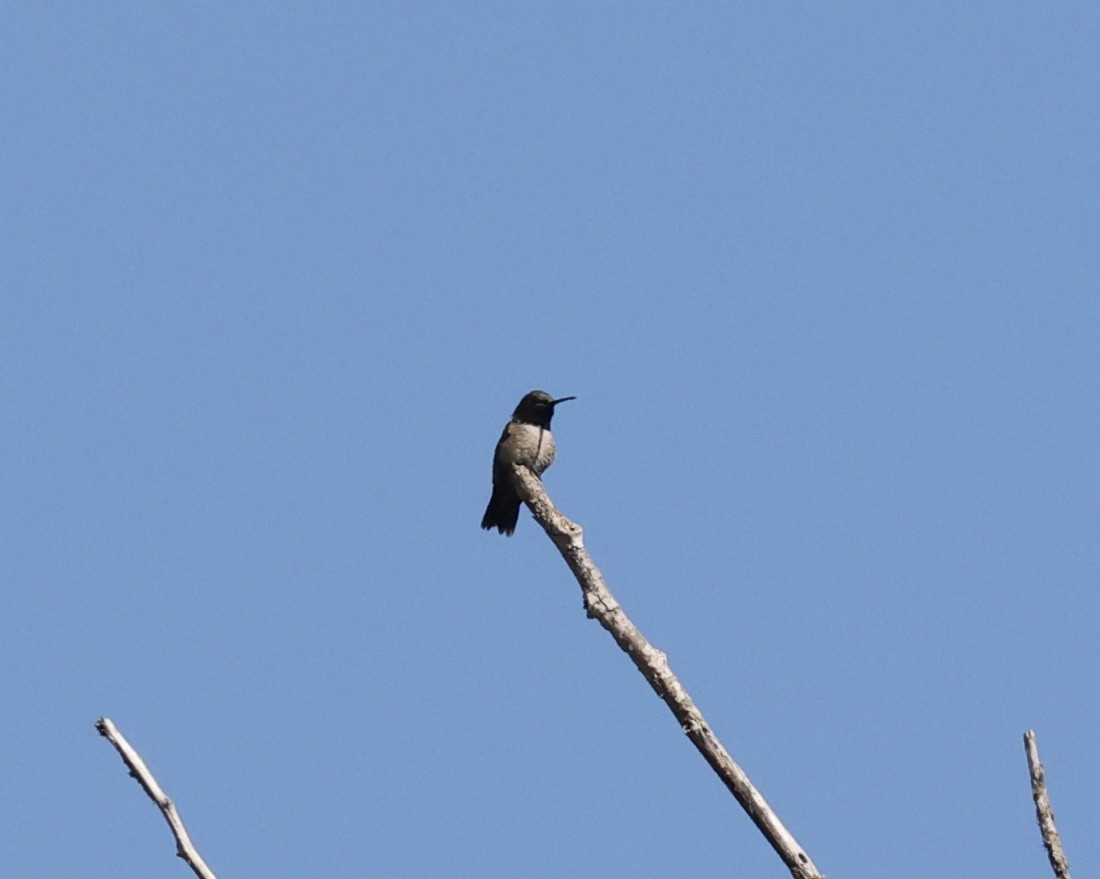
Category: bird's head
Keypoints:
(537, 408)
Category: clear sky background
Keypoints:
(824, 281)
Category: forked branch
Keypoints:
(601, 605)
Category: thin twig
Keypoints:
(601, 605)
(1043, 811)
(184, 847)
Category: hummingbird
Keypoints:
(526, 440)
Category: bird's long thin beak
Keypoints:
(562, 400)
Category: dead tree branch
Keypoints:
(601, 605)
(1043, 811)
(184, 847)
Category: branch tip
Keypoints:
(184, 847)
(1044, 812)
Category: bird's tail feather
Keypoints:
(502, 514)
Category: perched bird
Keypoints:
(526, 440)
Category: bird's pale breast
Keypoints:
(528, 445)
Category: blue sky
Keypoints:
(824, 281)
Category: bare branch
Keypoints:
(601, 605)
(184, 848)
(1043, 811)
